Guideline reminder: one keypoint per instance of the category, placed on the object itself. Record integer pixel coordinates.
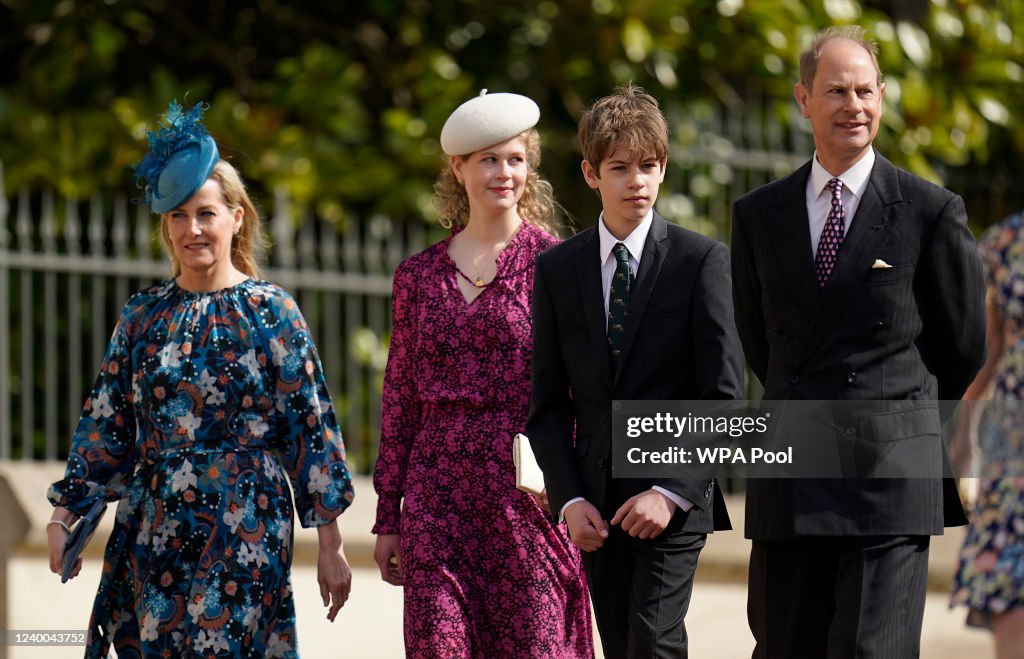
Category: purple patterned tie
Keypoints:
(832, 235)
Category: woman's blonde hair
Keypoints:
(537, 205)
(248, 245)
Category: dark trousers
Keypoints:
(838, 597)
(641, 590)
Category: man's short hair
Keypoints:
(630, 120)
(809, 58)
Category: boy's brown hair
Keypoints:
(629, 119)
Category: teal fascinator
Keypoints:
(181, 157)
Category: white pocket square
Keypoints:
(880, 264)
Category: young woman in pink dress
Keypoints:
(485, 572)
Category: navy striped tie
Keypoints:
(618, 301)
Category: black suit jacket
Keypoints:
(680, 343)
(912, 332)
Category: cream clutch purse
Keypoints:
(529, 477)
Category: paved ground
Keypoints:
(370, 625)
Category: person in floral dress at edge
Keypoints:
(485, 572)
(211, 391)
(990, 576)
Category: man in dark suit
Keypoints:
(853, 281)
(601, 334)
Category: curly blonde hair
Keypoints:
(248, 246)
(537, 205)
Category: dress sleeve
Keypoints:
(399, 406)
(992, 247)
(103, 449)
(308, 436)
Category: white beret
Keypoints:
(487, 119)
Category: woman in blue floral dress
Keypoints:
(209, 401)
(990, 577)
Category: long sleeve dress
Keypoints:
(487, 574)
(990, 575)
(206, 406)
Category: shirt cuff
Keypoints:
(561, 513)
(683, 503)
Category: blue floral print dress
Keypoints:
(990, 575)
(206, 406)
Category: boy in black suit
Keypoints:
(635, 308)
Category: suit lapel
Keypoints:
(867, 235)
(791, 239)
(592, 298)
(650, 265)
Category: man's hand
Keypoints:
(586, 528)
(388, 555)
(644, 515)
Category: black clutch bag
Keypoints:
(79, 537)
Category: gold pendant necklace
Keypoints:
(478, 282)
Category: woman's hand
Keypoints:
(542, 501)
(388, 554)
(332, 570)
(56, 536)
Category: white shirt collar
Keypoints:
(855, 179)
(634, 241)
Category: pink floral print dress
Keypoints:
(487, 573)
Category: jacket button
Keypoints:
(794, 379)
(600, 463)
(851, 378)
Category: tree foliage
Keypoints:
(342, 102)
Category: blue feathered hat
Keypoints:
(181, 157)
